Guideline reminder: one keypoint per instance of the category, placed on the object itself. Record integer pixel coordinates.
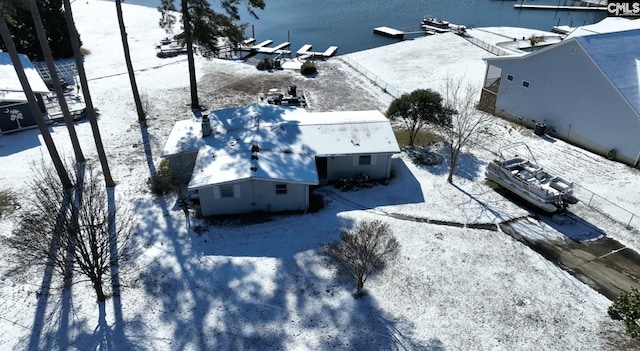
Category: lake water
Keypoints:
(349, 24)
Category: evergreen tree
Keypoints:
(24, 31)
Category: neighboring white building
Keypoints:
(264, 157)
(585, 89)
(15, 113)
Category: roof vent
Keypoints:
(255, 148)
(254, 169)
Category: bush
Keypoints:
(265, 64)
(360, 181)
(162, 182)
(626, 308)
(308, 68)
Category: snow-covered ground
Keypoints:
(265, 286)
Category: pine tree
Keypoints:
(24, 32)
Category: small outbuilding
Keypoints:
(264, 157)
(584, 90)
(15, 113)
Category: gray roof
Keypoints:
(618, 56)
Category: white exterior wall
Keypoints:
(569, 93)
(253, 195)
(347, 166)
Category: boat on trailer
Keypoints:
(524, 177)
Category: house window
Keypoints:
(226, 191)
(509, 77)
(364, 160)
(525, 84)
(281, 189)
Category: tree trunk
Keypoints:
(46, 51)
(97, 286)
(452, 168)
(127, 59)
(33, 105)
(91, 113)
(188, 39)
(360, 286)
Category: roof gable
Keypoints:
(278, 143)
(618, 56)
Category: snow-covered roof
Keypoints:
(212, 168)
(287, 138)
(618, 56)
(607, 25)
(10, 88)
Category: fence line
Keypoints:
(606, 207)
(587, 197)
(488, 47)
(389, 89)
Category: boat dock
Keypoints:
(263, 48)
(389, 32)
(305, 52)
(249, 47)
(399, 33)
(559, 7)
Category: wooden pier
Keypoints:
(249, 47)
(560, 7)
(305, 52)
(263, 48)
(389, 32)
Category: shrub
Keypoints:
(626, 308)
(308, 68)
(162, 182)
(265, 64)
(360, 181)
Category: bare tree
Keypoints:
(72, 230)
(417, 109)
(364, 250)
(466, 122)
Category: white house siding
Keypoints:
(569, 93)
(348, 166)
(253, 195)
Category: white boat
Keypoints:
(524, 177)
(435, 24)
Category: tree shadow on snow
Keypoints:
(468, 166)
(258, 288)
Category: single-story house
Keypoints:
(15, 113)
(584, 90)
(263, 157)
